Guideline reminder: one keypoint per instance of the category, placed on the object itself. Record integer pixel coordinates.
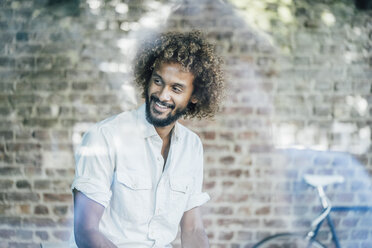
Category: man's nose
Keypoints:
(164, 95)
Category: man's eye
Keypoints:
(177, 89)
(157, 81)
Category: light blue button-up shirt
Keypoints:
(119, 165)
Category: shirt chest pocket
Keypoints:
(132, 197)
(179, 193)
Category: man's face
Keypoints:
(168, 94)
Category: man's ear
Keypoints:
(194, 100)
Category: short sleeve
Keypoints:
(197, 197)
(94, 166)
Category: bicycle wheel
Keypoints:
(287, 240)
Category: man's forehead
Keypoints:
(160, 64)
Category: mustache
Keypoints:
(157, 100)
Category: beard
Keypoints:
(162, 122)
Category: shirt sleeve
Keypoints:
(197, 197)
(94, 166)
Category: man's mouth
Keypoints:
(161, 106)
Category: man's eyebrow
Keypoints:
(157, 75)
(179, 85)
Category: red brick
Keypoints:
(228, 136)
(246, 160)
(59, 146)
(263, 211)
(237, 110)
(42, 235)
(61, 172)
(211, 173)
(261, 198)
(359, 234)
(261, 235)
(23, 184)
(232, 198)
(244, 235)
(278, 223)
(228, 160)
(246, 211)
(235, 173)
(6, 184)
(23, 245)
(209, 185)
(29, 158)
(60, 210)
(33, 171)
(41, 134)
(57, 197)
(24, 234)
(65, 222)
(246, 185)
(282, 210)
(301, 223)
(260, 148)
(210, 235)
(238, 149)
(23, 147)
(208, 135)
(42, 184)
(10, 221)
(7, 135)
(264, 186)
(18, 196)
(25, 208)
(210, 160)
(223, 211)
(264, 111)
(6, 233)
(215, 148)
(39, 222)
(225, 235)
(41, 210)
(3, 207)
(62, 235)
(227, 184)
(238, 223)
(248, 135)
(9, 171)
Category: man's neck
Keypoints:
(164, 132)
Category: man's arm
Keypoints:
(192, 230)
(87, 214)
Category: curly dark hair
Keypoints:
(197, 56)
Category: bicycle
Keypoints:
(308, 240)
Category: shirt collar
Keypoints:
(149, 129)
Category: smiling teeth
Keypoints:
(160, 105)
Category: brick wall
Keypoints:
(298, 94)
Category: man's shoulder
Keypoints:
(115, 123)
(189, 135)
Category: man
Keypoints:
(139, 174)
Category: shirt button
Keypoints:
(158, 211)
(158, 158)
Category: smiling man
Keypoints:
(139, 174)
